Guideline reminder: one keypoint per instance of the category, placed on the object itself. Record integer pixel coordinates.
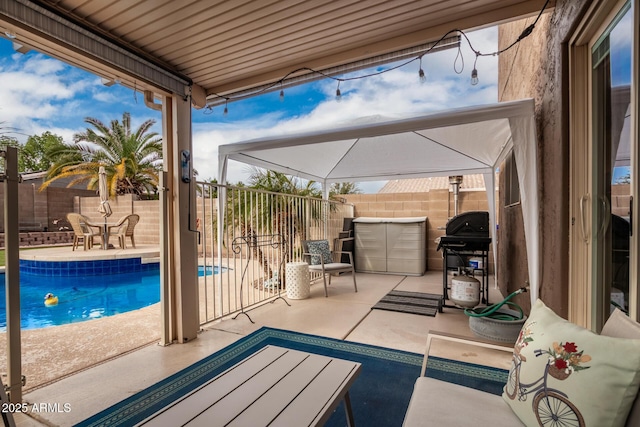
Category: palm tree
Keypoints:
(344, 188)
(132, 159)
(284, 214)
(277, 214)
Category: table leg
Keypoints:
(349, 412)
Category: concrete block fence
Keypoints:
(50, 209)
(43, 238)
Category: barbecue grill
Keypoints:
(467, 236)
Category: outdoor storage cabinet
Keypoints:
(391, 245)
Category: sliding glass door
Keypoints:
(612, 173)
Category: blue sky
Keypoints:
(38, 94)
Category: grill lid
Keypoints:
(472, 224)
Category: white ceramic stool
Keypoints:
(297, 275)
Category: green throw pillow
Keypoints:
(317, 249)
(562, 370)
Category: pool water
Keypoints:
(84, 297)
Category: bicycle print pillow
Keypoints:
(563, 372)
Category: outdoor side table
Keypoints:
(297, 276)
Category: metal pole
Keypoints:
(455, 181)
(456, 189)
(12, 274)
(165, 288)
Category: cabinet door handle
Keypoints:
(583, 221)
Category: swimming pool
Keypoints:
(84, 297)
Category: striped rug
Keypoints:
(411, 302)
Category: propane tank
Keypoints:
(465, 291)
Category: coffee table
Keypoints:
(275, 386)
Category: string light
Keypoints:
(474, 77)
(474, 72)
(421, 74)
(423, 77)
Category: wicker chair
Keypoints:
(83, 229)
(124, 228)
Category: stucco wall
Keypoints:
(538, 68)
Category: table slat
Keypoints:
(197, 401)
(226, 409)
(283, 393)
(314, 405)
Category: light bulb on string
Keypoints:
(474, 72)
(474, 77)
(458, 65)
(226, 110)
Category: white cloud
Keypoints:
(42, 65)
(42, 94)
(105, 96)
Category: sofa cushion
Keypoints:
(318, 249)
(592, 378)
(620, 325)
(440, 403)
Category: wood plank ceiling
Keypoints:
(233, 45)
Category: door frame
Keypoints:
(582, 304)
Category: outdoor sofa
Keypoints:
(609, 398)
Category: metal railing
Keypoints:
(254, 212)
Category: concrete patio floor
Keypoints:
(343, 315)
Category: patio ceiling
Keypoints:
(224, 47)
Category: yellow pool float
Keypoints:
(50, 299)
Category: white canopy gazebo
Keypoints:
(462, 141)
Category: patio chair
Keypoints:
(83, 229)
(321, 259)
(124, 228)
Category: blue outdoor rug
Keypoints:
(379, 397)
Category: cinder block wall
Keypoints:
(41, 210)
(620, 200)
(60, 201)
(42, 238)
(437, 205)
(50, 208)
(147, 230)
